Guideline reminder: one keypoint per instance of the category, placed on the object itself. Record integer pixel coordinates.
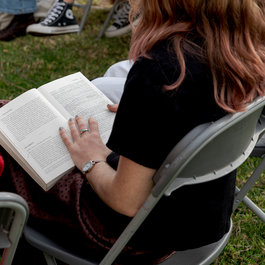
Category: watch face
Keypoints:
(88, 166)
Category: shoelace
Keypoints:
(54, 13)
(121, 14)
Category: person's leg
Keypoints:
(5, 20)
(112, 84)
(43, 7)
(67, 221)
(17, 7)
(120, 69)
(17, 27)
(112, 87)
(121, 24)
(60, 20)
(15, 16)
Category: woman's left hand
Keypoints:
(84, 146)
(113, 107)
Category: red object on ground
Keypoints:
(1, 165)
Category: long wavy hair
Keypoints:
(233, 34)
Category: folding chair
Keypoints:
(13, 216)
(86, 8)
(194, 160)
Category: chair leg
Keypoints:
(241, 193)
(107, 21)
(254, 208)
(49, 259)
(86, 10)
(16, 221)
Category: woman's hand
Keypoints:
(85, 146)
(123, 190)
(113, 107)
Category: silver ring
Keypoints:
(83, 131)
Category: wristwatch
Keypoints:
(89, 165)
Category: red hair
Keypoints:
(233, 32)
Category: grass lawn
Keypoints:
(30, 61)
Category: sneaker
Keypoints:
(121, 23)
(60, 20)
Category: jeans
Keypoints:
(16, 7)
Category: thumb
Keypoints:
(113, 107)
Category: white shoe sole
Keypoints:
(45, 30)
(121, 31)
(118, 32)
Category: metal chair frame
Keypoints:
(86, 8)
(107, 20)
(13, 217)
(241, 194)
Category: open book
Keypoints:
(29, 125)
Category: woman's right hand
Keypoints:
(113, 107)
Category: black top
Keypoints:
(149, 123)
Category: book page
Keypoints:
(76, 95)
(30, 124)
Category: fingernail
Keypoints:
(76, 116)
(111, 105)
(60, 128)
(70, 119)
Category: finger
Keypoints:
(65, 137)
(93, 125)
(81, 123)
(73, 129)
(113, 107)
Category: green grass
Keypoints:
(247, 243)
(30, 61)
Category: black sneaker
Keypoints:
(121, 24)
(59, 20)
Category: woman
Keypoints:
(195, 61)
